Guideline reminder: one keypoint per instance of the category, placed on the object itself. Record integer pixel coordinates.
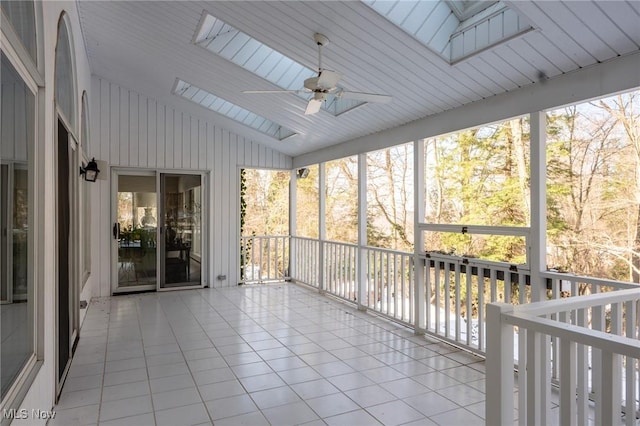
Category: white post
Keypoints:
(568, 379)
(608, 407)
(293, 197)
(361, 255)
(538, 259)
(322, 225)
(419, 265)
(499, 364)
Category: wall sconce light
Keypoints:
(303, 173)
(90, 171)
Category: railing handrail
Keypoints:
(588, 280)
(342, 243)
(392, 251)
(547, 307)
(476, 261)
(586, 336)
(265, 236)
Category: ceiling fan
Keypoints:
(325, 84)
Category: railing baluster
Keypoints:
(494, 284)
(457, 299)
(469, 277)
(522, 376)
(507, 286)
(437, 290)
(376, 294)
(405, 268)
(582, 382)
(427, 295)
(268, 241)
(481, 325)
(630, 366)
(392, 284)
(447, 298)
(522, 289)
(389, 305)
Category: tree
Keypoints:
(390, 198)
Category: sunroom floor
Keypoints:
(261, 355)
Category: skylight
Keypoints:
(232, 44)
(455, 29)
(228, 109)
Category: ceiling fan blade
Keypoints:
(313, 106)
(328, 79)
(365, 97)
(272, 91)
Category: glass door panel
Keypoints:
(182, 221)
(136, 230)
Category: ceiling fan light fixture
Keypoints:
(325, 84)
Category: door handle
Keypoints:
(116, 230)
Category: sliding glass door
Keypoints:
(157, 231)
(182, 229)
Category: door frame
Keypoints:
(205, 220)
(73, 289)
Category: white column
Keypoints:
(418, 237)
(293, 197)
(322, 224)
(541, 408)
(538, 237)
(361, 268)
(499, 364)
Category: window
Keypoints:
(230, 110)
(65, 88)
(17, 293)
(22, 16)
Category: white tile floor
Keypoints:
(277, 354)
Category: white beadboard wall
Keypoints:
(130, 130)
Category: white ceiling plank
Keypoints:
(577, 30)
(535, 12)
(624, 16)
(610, 34)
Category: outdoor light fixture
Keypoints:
(90, 171)
(303, 173)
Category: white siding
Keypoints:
(133, 131)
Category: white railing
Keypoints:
(305, 261)
(264, 258)
(390, 284)
(457, 290)
(339, 275)
(584, 348)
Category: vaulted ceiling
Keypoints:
(430, 56)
